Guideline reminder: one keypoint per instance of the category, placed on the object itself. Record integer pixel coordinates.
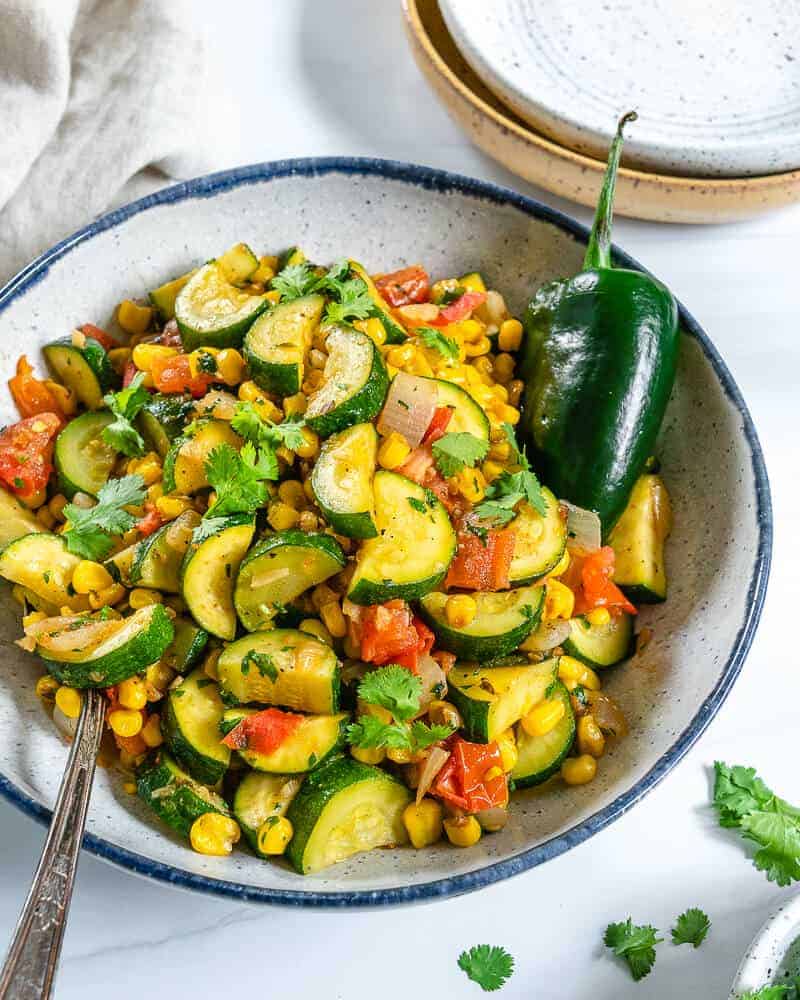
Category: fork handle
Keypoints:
(32, 958)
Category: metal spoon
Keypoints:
(32, 958)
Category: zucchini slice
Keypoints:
(414, 546)
(238, 264)
(162, 419)
(91, 653)
(601, 645)
(279, 569)
(157, 559)
(212, 312)
(355, 383)
(173, 795)
(85, 370)
(276, 345)
(163, 297)
(467, 414)
(343, 808)
(638, 541)
(395, 333)
(184, 465)
(314, 740)
(259, 798)
(190, 725)
(283, 667)
(209, 569)
(503, 621)
(342, 481)
(491, 699)
(540, 757)
(82, 458)
(186, 647)
(15, 520)
(41, 563)
(119, 565)
(539, 542)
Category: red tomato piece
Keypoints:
(26, 452)
(30, 393)
(128, 374)
(463, 306)
(387, 631)
(173, 374)
(104, 339)
(482, 563)
(406, 286)
(410, 657)
(589, 576)
(464, 780)
(263, 732)
(417, 464)
(151, 521)
(438, 425)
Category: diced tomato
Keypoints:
(104, 339)
(442, 416)
(437, 484)
(589, 576)
(417, 464)
(390, 633)
(425, 639)
(170, 336)
(263, 732)
(406, 286)
(133, 745)
(173, 374)
(26, 452)
(151, 521)
(463, 780)
(482, 563)
(31, 394)
(463, 306)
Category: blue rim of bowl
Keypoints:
(443, 182)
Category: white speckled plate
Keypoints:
(774, 954)
(387, 214)
(716, 84)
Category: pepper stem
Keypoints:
(598, 252)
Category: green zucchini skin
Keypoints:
(191, 717)
(540, 541)
(540, 757)
(156, 562)
(142, 649)
(279, 369)
(601, 646)
(222, 332)
(395, 334)
(258, 798)
(347, 458)
(82, 459)
(15, 520)
(187, 646)
(187, 800)
(162, 420)
(40, 562)
(638, 540)
(86, 370)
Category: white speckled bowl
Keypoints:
(387, 214)
(774, 952)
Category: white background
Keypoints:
(321, 77)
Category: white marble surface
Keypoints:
(335, 77)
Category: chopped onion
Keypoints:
(583, 528)
(546, 637)
(492, 820)
(409, 407)
(607, 714)
(434, 681)
(436, 760)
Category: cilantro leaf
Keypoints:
(249, 423)
(769, 993)
(438, 341)
(370, 732)
(744, 802)
(295, 281)
(125, 405)
(488, 965)
(691, 927)
(417, 505)
(506, 492)
(635, 943)
(263, 662)
(456, 451)
(238, 478)
(424, 735)
(355, 302)
(394, 688)
(89, 530)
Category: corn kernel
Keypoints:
(273, 296)
(151, 731)
(66, 399)
(131, 693)
(159, 676)
(134, 318)
(56, 506)
(172, 507)
(462, 831)
(399, 755)
(478, 347)
(460, 610)
(282, 517)
(214, 834)
(145, 355)
(393, 451)
(509, 337)
(89, 576)
(129, 787)
(423, 822)
(119, 357)
(472, 282)
(543, 718)
(471, 329)
(143, 597)
(572, 671)
(155, 492)
(310, 446)
(444, 713)
(559, 601)
(401, 355)
(107, 597)
(249, 392)
(125, 722)
(69, 702)
(332, 617)
(563, 565)
(503, 368)
(507, 744)
(295, 405)
(292, 493)
(148, 467)
(470, 484)
(579, 770)
(47, 686)
(508, 414)
(370, 755)
(274, 835)
(590, 737)
(230, 366)
(376, 331)
(491, 470)
(322, 594)
(33, 618)
(308, 520)
(599, 616)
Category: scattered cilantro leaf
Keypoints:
(744, 802)
(488, 965)
(417, 505)
(355, 302)
(125, 405)
(479, 530)
(295, 281)
(394, 688)
(249, 423)
(438, 341)
(770, 993)
(635, 943)
(90, 530)
(370, 732)
(456, 451)
(424, 735)
(238, 478)
(263, 663)
(505, 493)
(691, 927)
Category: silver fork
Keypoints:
(32, 959)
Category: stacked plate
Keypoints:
(539, 86)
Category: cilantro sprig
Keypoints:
(691, 927)
(438, 341)
(262, 433)
(488, 965)
(503, 495)
(635, 943)
(782, 991)
(744, 802)
(90, 531)
(238, 477)
(456, 451)
(125, 405)
(295, 281)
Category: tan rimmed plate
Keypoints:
(500, 134)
